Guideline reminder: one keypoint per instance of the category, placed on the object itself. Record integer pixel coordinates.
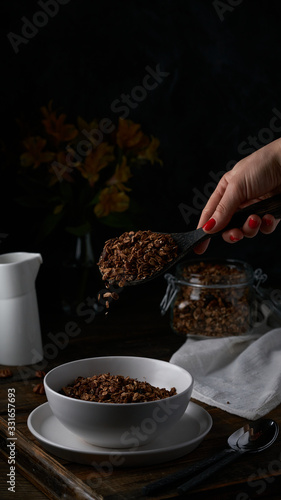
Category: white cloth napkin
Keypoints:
(241, 375)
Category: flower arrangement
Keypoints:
(80, 174)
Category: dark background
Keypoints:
(224, 81)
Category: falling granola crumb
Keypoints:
(6, 373)
(39, 389)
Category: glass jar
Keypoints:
(212, 298)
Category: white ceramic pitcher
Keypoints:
(20, 333)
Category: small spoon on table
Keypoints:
(253, 437)
(187, 241)
(256, 437)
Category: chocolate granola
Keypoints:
(135, 256)
(214, 302)
(106, 388)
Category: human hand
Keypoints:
(256, 177)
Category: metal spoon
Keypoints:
(252, 437)
(187, 241)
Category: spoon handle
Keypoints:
(228, 458)
(268, 206)
(170, 479)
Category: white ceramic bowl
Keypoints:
(124, 425)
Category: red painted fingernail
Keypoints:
(232, 238)
(268, 222)
(253, 224)
(209, 224)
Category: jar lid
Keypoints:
(215, 273)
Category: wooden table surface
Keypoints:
(133, 326)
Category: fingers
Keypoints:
(212, 203)
(217, 213)
(233, 235)
(249, 230)
(269, 224)
(220, 208)
(251, 227)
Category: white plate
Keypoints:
(182, 439)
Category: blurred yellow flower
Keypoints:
(84, 172)
(129, 136)
(150, 153)
(59, 170)
(98, 158)
(83, 125)
(58, 209)
(121, 175)
(34, 155)
(55, 126)
(111, 200)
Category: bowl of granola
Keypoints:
(118, 401)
